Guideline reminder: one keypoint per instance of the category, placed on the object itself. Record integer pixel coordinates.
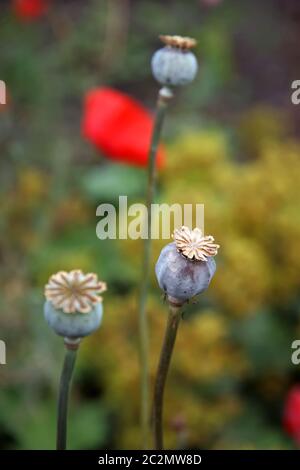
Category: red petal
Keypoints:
(291, 414)
(30, 9)
(118, 126)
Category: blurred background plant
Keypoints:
(232, 143)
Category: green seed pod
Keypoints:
(175, 64)
(73, 307)
(185, 267)
(74, 325)
(181, 278)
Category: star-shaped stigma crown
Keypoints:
(179, 42)
(193, 245)
(74, 291)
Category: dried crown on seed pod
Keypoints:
(74, 291)
(193, 245)
(181, 42)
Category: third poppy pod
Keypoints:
(119, 126)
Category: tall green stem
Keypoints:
(164, 97)
(162, 372)
(64, 386)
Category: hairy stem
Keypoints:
(64, 386)
(162, 372)
(164, 97)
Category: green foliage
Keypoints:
(35, 426)
(109, 182)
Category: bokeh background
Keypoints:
(232, 140)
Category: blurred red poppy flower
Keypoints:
(30, 9)
(118, 126)
(291, 413)
(211, 3)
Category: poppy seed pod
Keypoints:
(175, 64)
(185, 267)
(76, 325)
(73, 307)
